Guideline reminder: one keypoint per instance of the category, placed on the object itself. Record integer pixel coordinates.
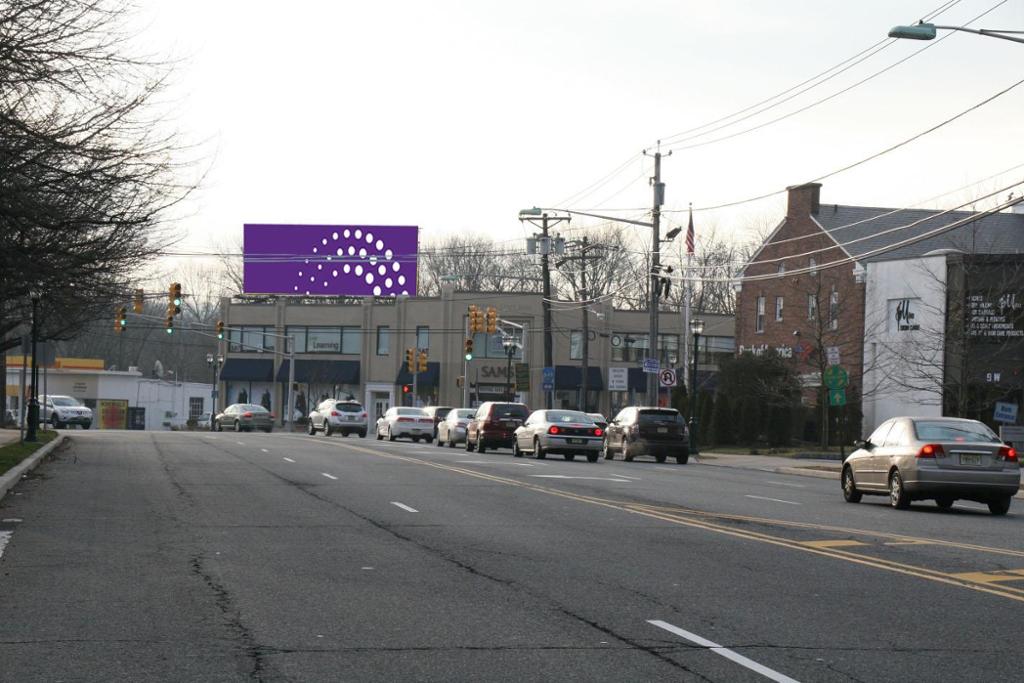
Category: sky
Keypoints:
(455, 115)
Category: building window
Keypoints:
(668, 350)
(833, 310)
(759, 320)
(490, 346)
(383, 340)
(778, 309)
(323, 340)
(422, 337)
(351, 340)
(576, 345)
(630, 346)
(814, 266)
(348, 340)
(250, 339)
(812, 307)
(782, 268)
(195, 407)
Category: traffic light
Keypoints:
(410, 360)
(469, 348)
(121, 319)
(492, 320)
(137, 301)
(423, 361)
(169, 323)
(174, 298)
(481, 320)
(220, 329)
(472, 319)
(406, 388)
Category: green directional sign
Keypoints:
(835, 377)
(522, 376)
(837, 397)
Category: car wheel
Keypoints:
(380, 434)
(627, 453)
(592, 457)
(609, 454)
(660, 458)
(569, 456)
(268, 430)
(310, 428)
(86, 425)
(391, 435)
(451, 441)
(59, 425)
(362, 433)
(898, 497)
(480, 447)
(439, 442)
(516, 452)
(238, 425)
(683, 459)
(469, 444)
(944, 502)
(327, 428)
(218, 427)
(850, 492)
(999, 506)
(539, 452)
(344, 433)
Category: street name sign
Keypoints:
(652, 365)
(1006, 412)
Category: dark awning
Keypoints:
(319, 371)
(425, 379)
(637, 380)
(570, 378)
(247, 370)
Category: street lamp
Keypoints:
(697, 328)
(923, 31)
(510, 345)
(33, 405)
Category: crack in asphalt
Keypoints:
(468, 568)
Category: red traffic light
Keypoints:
(406, 388)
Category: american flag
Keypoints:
(689, 234)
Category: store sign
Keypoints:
(995, 316)
(904, 315)
(618, 379)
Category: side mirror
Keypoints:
(863, 443)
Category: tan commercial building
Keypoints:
(357, 347)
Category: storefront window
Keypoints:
(423, 337)
(323, 340)
(351, 340)
(383, 340)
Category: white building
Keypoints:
(119, 399)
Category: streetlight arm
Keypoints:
(994, 33)
(924, 31)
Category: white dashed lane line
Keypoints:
(774, 500)
(264, 450)
(732, 656)
(287, 459)
(329, 476)
(403, 506)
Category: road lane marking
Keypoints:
(329, 476)
(403, 506)
(782, 483)
(240, 443)
(992, 577)
(494, 462)
(12, 520)
(566, 476)
(264, 450)
(5, 536)
(731, 655)
(288, 460)
(838, 543)
(774, 500)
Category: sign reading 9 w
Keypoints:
(330, 260)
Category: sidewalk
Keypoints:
(826, 469)
(9, 436)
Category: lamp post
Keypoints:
(697, 328)
(33, 405)
(923, 31)
(215, 362)
(510, 345)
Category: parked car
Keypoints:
(648, 431)
(494, 425)
(452, 429)
(332, 415)
(244, 417)
(438, 413)
(64, 411)
(599, 419)
(413, 423)
(205, 421)
(568, 432)
(938, 458)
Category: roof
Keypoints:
(861, 230)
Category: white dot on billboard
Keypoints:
(396, 267)
(376, 290)
(369, 278)
(382, 269)
(387, 283)
(324, 241)
(359, 234)
(296, 288)
(300, 273)
(351, 251)
(359, 270)
(334, 273)
(405, 292)
(369, 238)
(380, 245)
(362, 253)
(312, 278)
(340, 251)
(314, 250)
(325, 283)
(388, 254)
(347, 268)
(334, 236)
(346, 233)
(401, 280)
(373, 259)
(319, 266)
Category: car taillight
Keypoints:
(1008, 453)
(406, 419)
(335, 413)
(598, 432)
(553, 429)
(246, 414)
(930, 450)
(364, 416)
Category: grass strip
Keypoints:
(14, 453)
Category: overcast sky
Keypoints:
(454, 115)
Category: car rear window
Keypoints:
(464, 412)
(441, 413)
(348, 407)
(62, 401)
(253, 408)
(567, 416)
(965, 432)
(660, 417)
(419, 412)
(515, 410)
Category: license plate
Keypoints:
(663, 430)
(970, 459)
(577, 441)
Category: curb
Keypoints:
(13, 475)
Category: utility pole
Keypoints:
(655, 280)
(583, 257)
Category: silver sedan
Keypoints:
(940, 458)
(452, 429)
(569, 432)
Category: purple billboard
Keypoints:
(330, 260)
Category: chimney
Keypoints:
(803, 199)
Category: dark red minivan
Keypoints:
(494, 425)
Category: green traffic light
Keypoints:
(170, 330)
(469, 356)
(177, 301)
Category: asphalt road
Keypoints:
(221, 557)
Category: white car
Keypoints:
(412, 423)
(452, 429)
(332, 415)
(64, 411)
(204, 421)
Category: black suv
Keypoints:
(495, 425)
(648, 431)
(438, 413)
